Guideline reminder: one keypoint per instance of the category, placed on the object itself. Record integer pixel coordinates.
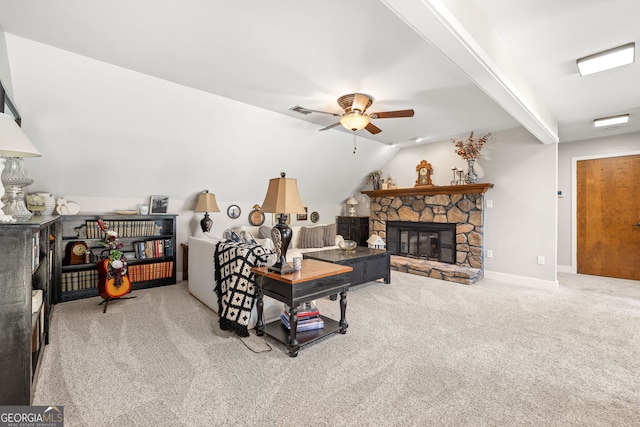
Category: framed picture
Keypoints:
(302, 217)
(234, 211)
(315, 217)
(159, 204)
(256, 217)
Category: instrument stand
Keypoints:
(106, 301)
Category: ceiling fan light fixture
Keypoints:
(608, 59)
(354, 121)
(609, 121)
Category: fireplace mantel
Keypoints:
(430, 190)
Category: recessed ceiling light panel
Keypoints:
(609, 121)
(612, 58)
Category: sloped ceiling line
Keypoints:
(481, 56)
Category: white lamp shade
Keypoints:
(13, 141)
(283, 197)
(352, 201)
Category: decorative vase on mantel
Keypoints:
(377, 184)
(471, 177)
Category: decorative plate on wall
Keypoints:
(315, 217)
(234, 211)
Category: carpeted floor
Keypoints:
(417, 352)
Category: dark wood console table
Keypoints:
(315, 280)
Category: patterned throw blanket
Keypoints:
(235, 283)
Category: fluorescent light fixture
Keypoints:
(612, 58)
(609, 121)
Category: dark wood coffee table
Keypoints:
(316, 279)
(368, 264)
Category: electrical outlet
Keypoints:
(540, 260)
(489, 203)
(489, 253)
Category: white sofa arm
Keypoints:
(202, 271)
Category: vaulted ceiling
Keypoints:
(462, 65)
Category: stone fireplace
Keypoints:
(414, 224)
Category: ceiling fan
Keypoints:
(355, 117)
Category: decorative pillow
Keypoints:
(229, 234)
(330, 234)
(247, 237)
(264, 232)
(311, 237)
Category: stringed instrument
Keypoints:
(107, 285)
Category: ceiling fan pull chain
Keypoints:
(354, 142)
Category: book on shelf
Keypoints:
(309, 324)
(152, 271)
(305, 310)
(157, 248)
(78, 280)
(125, 228)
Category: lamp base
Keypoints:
(206, 223)
(282, 266)
(15, 204)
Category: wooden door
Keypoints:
(608, 217)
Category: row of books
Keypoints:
(153, 248)
(308, 317)
(89, 279)
(156, 270)
(125, 228)
(76, 280)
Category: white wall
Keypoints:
(522, 223)
(568, 154)
(5, 72)
(110, 132)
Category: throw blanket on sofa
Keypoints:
(235, 283)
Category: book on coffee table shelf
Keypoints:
(309, 324)
(306, 310)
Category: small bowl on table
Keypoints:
(348, 245)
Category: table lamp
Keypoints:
(14, 145)
(282, 198)
(206, 203)
(352, 202)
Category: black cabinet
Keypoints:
(27, 269)
(354, 228)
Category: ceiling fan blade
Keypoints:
(373, 129)
(392, 114)
(360, 102)
(330, 126)
(303, 110)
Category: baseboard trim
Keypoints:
(549, 285)
(565, 269)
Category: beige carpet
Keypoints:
(417, 352)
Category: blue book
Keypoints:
(304, 325)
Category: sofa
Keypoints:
(202, 247)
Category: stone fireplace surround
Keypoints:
(462, 205)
